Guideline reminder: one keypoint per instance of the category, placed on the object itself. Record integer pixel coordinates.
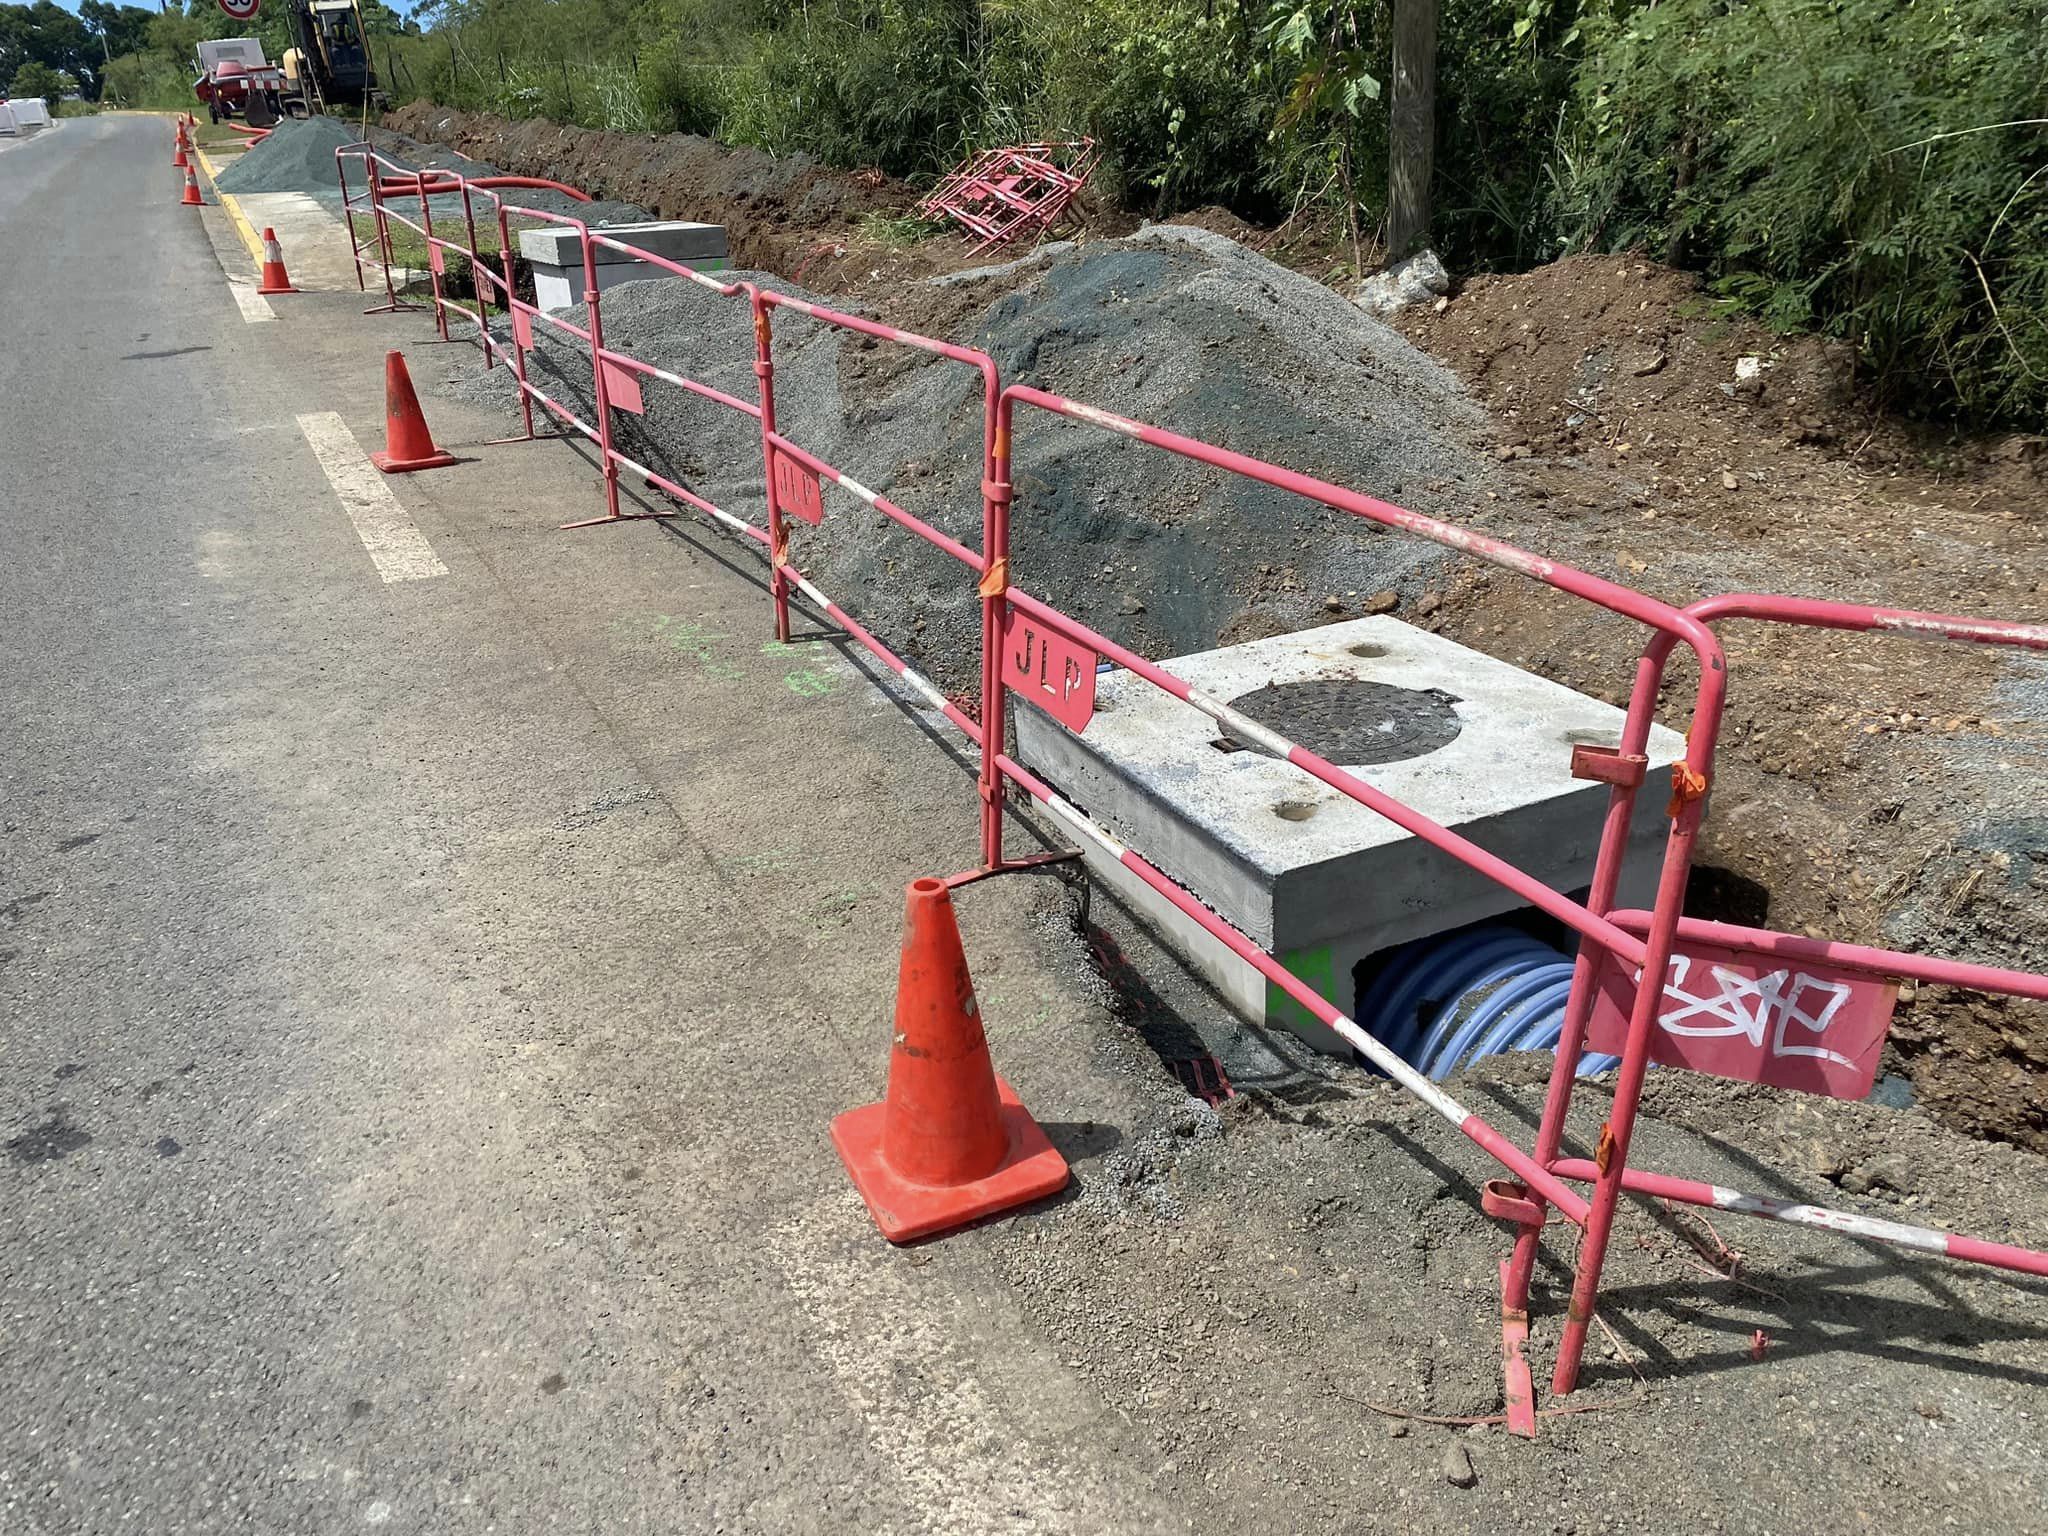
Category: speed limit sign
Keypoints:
(241, 10)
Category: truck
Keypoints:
(235, 80)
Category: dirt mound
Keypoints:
(415, 155)
(297, 157)
(1879, 791)
(1218, 221)
(1164, 555)
(772, 206)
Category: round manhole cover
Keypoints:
(1355, 723)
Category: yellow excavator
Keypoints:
(327, 68)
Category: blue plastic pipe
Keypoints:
(1451, 999)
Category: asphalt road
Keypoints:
(421, 1000)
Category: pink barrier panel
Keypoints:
(1819, 1032)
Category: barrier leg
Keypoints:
(778, 534)
(476, 288)
(1612, 1156)
(392, 303)
(512, 315)
(995, 609)
(1635, 732)
(348, 213)
(433, 263)
(602, 394)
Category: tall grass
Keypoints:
(1818, 159)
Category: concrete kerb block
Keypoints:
(1308, 874)
(554, 253)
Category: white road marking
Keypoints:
(253, 305)
(954, 1443)
(395, 543)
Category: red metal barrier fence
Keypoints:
(1753, 1026)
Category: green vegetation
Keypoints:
(36, 79)
(898, 230)
(131, 56)
(1873, 169)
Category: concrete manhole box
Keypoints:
(555, 253)
(1308, 874)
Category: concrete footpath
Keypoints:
(426, 996)
(433, 944)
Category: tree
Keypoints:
(1411, 127)
(121, 29)
(1326, 50)
(47, 35)
(37, 79)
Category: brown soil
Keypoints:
(784, 214)
(1880, 791)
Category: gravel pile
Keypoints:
(1172, 325)
(297, 157)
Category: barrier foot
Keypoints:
(531, 437)
(1012, 867)
(614, 517)
(1518, 1387)
(392, 308)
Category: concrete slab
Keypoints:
(556, 257)
(1310, 875)
(313, 238)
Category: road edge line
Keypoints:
(227, 200)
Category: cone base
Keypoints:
(384, 460)
(280, 288)
(1030, 1170)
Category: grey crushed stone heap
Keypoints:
(299, 157)
(1174, 326)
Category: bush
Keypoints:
(1820, 160)
(1838, 165)
(148, 81)
(1173, 92)
(34, 80)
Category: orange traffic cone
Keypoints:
(408, 445)
(950, 1142)
(273, 278)
(191, 199)
(179, 159)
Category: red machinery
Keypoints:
(236, 81)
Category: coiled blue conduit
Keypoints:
(1450, 999)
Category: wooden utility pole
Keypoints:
(1411, 135)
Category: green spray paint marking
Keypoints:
(805, 682)
(834, 909)
(690, 638)
(1318, 968)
